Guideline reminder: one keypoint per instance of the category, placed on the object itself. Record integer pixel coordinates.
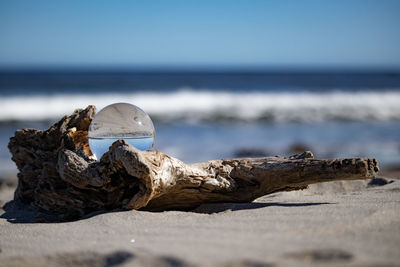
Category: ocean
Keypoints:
(204, 115)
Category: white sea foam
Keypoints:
(207, 105)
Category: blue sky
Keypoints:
(200, 33)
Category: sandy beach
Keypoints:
(352, 223)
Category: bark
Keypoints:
(58, 175)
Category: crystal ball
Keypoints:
(120, 121)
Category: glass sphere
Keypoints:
(120, 121)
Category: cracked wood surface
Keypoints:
(58, 175)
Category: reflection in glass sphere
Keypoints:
(120, 121)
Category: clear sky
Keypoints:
(200, 33)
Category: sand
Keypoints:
(335, 224)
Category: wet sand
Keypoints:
(339, 223)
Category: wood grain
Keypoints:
(58, 175)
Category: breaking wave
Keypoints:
(193, 105)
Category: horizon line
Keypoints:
(197, 68)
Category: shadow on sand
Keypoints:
(17, 212)
(221, 207)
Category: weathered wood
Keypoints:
(58, 175)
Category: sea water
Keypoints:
(336, 114)
(101, 145)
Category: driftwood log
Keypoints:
(59, 176)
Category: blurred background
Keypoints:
(218, 78)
